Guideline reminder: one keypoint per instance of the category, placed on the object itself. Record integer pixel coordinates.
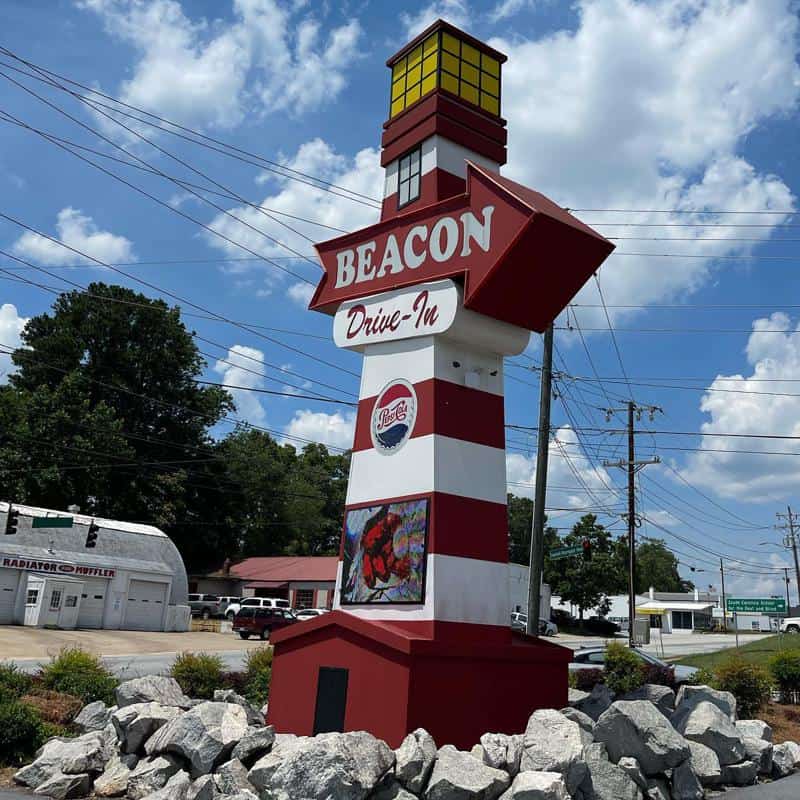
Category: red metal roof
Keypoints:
(287, 568)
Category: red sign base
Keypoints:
(457, 686)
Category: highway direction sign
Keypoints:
(756, 605)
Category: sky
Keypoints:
(669, 125)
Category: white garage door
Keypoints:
(9, 580)
(144, 610)
(93, 602)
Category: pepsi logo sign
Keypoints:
(393, 416)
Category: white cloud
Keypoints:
(456, 12)
(334, 430)
(79, 231)
(11, 325)
(209, 73)
(300, 293)
(774, 358)
(645, 106)
(508, 8)
(362, 173)
(240, 368)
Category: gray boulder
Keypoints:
(595, 750)
(598, 701)
(553, 743)
(113, 782)
(782, 761)
(537, 786)
(636, 728)
(685, 784)
(744, 774)
(136, 723)
(93, 717)
(347, 766)
(662, 697)
(584, 720)
(261, 773)
(176, 788)
(502, 751)
(254, 744)
(254, 716)
(576, 696)
(88, 753)
(391, 789)
(151, 689)
(203, 788)
(754, 728)
(242, 795)
(689, 696)
(760, 753)
(705, 764)
(205, 735)
(607, 781)
(794, 750)
(414, 760)
(658, 789)
(231, 777)
(630, 766)
(458, 776)
(707, 724)
(60, 786)
(150, 775)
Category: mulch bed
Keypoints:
(784, 721)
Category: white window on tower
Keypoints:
(409, 177)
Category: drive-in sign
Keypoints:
(522, 257)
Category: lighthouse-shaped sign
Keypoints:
(461, 267)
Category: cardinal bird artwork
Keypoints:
(384, 553)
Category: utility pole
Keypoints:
(786, 578)
(536, 568)
(790, 541)
(724, 610)
(632, 466)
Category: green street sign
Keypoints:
(565, 552)
(756, 605)
(52, 522)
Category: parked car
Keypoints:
(204, 605)
(256, 602)
(310, 613)
(261, 621)
(519, 622)
(595, 658)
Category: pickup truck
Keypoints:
(790, 625)
(205, 605)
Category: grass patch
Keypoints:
(759, 652)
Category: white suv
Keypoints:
(259, 602)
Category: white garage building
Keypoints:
(132, 579)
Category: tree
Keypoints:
(520, 514)
(657, 566)
(587, 584)
(104, 410)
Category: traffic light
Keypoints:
(91, 536)
(12, 520)
(587, 550)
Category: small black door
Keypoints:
(331, 700)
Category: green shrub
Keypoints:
(704, 677)
(198, 674)
(79, 673)
(21, 733)
(749, 683)
(572, 679)
(785, 669)
(623, 669)
(258, 674)
(13, 683)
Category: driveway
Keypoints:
(126, 653)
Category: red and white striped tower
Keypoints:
(461, 267)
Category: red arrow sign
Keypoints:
(521, 256)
